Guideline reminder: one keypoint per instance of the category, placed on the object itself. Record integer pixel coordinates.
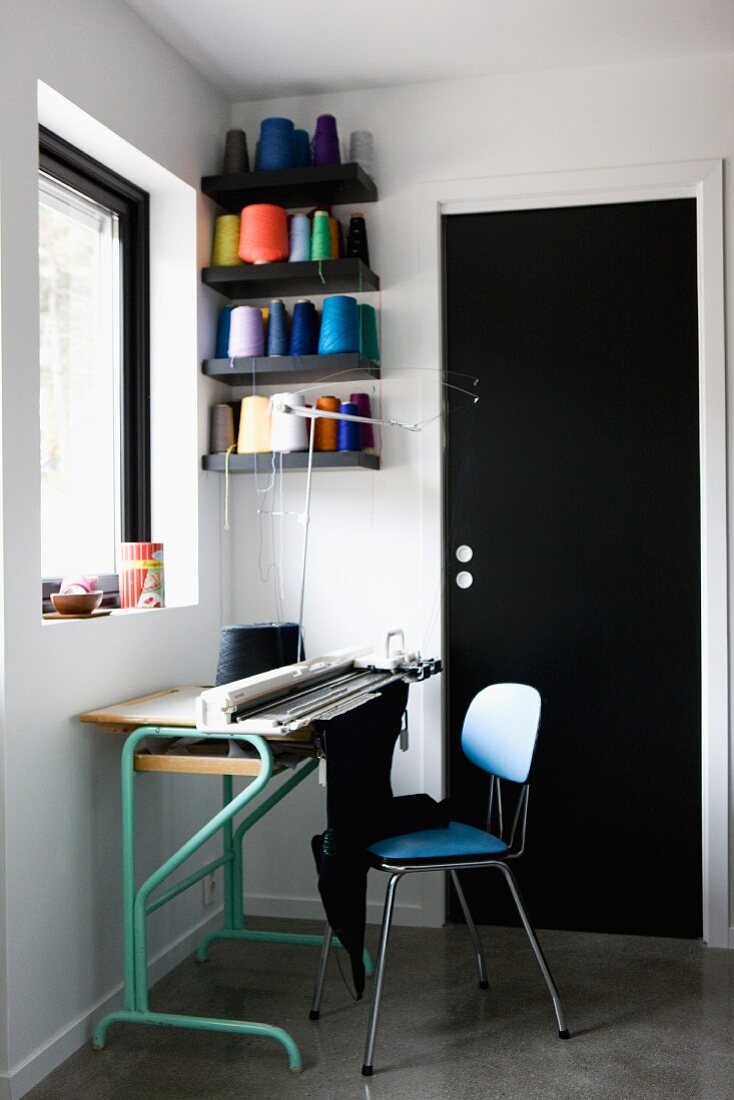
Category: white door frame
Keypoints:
(701, 180)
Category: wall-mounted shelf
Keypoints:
(273, 370)
(286, 279)
(293, 187)
(295, 460)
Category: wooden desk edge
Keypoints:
(112, 718)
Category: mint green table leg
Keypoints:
(228, 890)
(201, 1023)
(136, 904)
(236, 930)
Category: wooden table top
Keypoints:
(175, 708)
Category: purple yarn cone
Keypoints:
(326, 141)
(367, 435)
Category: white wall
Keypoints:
(61, 941)
(374, 534)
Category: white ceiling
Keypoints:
(259, 50)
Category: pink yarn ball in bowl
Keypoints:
(77, 583)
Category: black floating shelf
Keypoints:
(295, 460)
(336, 184)
(289, 279)
(272, 370)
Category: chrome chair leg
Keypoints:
(481, 965)
(318, 988)
(379, 975)
(563, 1032)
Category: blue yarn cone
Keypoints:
(277, 329)
(222, 345)
(303, 149)
(339, 325)
(304, 329)
(348, 433)
(277, 145)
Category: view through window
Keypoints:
(80, 342)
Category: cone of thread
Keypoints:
(321, 236)
(277, 145)
(221, 350)
(226, 241)
(369, 344)
(326, 141)
(300, 238)
(348, 432)
(235, 152)
(357, 239)
(221, 435)
(254, 434)
(277, 339)
(366, 432)
(263, 234)
(304, 337)
(339, 325)
(303, 149)
(288, 431)
(362, 150)
(325, 431)
(335, 235)
(246, 332)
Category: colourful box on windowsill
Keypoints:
(141, 574)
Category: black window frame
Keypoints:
(64, 162)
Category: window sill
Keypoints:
(102, 613)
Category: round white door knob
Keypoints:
(464, 579)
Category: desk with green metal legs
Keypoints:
(137, 900)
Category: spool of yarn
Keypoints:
(277, 343)
(288, 432)
(326, 141)
(303, 149)
(366, 432)
(235, 152)
(300, 238)
(321, 236)
(335, 232)
(357, 238)
(339, 325)
(325, 431)
(304, 329)
(263, 234)
(362, 150)
(254, 435)
(246, 334)
(252, 648)
(221, 350)
(226, 241)
(221, 433)
(369, 344)
(348, 433)
(277, 145)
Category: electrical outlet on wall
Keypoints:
(210, 888)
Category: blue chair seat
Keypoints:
(456, 842)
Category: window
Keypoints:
(95, 426)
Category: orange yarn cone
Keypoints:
(263, 234)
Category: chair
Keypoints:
(499, 735)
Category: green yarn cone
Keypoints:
(321, 236)
(369, 344)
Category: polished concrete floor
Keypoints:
(649, 1018)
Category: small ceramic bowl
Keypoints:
(77, 603)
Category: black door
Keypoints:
(575, 481)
